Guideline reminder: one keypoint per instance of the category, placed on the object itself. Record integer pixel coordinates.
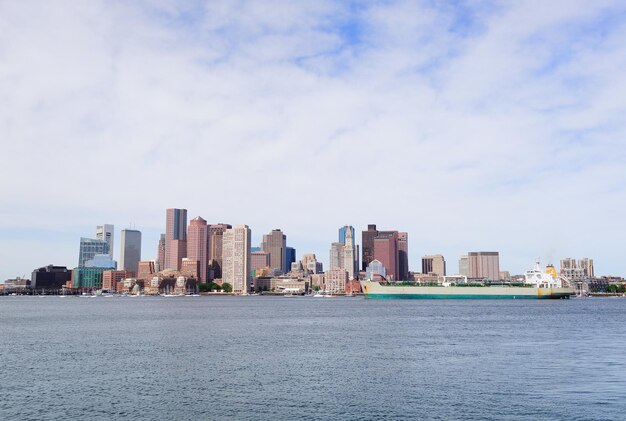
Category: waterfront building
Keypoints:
(484, 264)
(130, 250)
(435, 264)
(197, 246)
(367, 244)
(160, 263)
(110, 278)
(275, 243)
(281, 284)
(190, 268)
(464, 266)
(318, 280)
(175, 237)
(259, 260)
(403, 256)
(386, 251)
(146, 270)
(89, 247)
(216, 233)
(375, 270)
(106, 232)
(52, 277)
(574, 272)
(236, 258)
(350, 253)
(335, 281)
(87, 277)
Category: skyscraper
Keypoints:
(197, 245)
(160, 263)
(275, 243)
(106, 232)
(336, 256)
(464, 266)
(236, 258)
(350, 259)
(130, 250)
(484, 264)
(89, 247)
(175, 237)
(403, 256)
(367, 244)
(290, 257)
(216, 232)
(386, 252)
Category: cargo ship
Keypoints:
(536, 285)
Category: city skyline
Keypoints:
(470, 115)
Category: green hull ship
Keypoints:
(373, 289)
(536, 285)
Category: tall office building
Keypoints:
(106, 232)
(464, 266)
(236, 258)
(89, 247)
(259, 260)
(367, 244)
(336, 256)
(175, 237)
(130, 253)
(350, 259)
(403, 256)
(435, 264)
(386, 252)
(275, 243)
(160, 263)
(197, 246)
(216, 232)
(290, 257)
(484, 264)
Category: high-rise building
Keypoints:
(89, 247)
(336, 256)
(160, 263)
(290, 257)
(568, 263)
(275, 243)
(464, 266)
(403, 256)
(259, 260)
(236, 258)
(106, 232)
(175, 237)
(386, 251)
(350, 254)
(130, 250)
(435, 264)
(216, 232)
(367, 244)
(484, 264)
(197, 246)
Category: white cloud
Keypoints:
(497, 126)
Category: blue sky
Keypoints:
(477, 125)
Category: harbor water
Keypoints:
(275, 358)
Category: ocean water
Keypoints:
(279, 358)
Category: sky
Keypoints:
(471, 125)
